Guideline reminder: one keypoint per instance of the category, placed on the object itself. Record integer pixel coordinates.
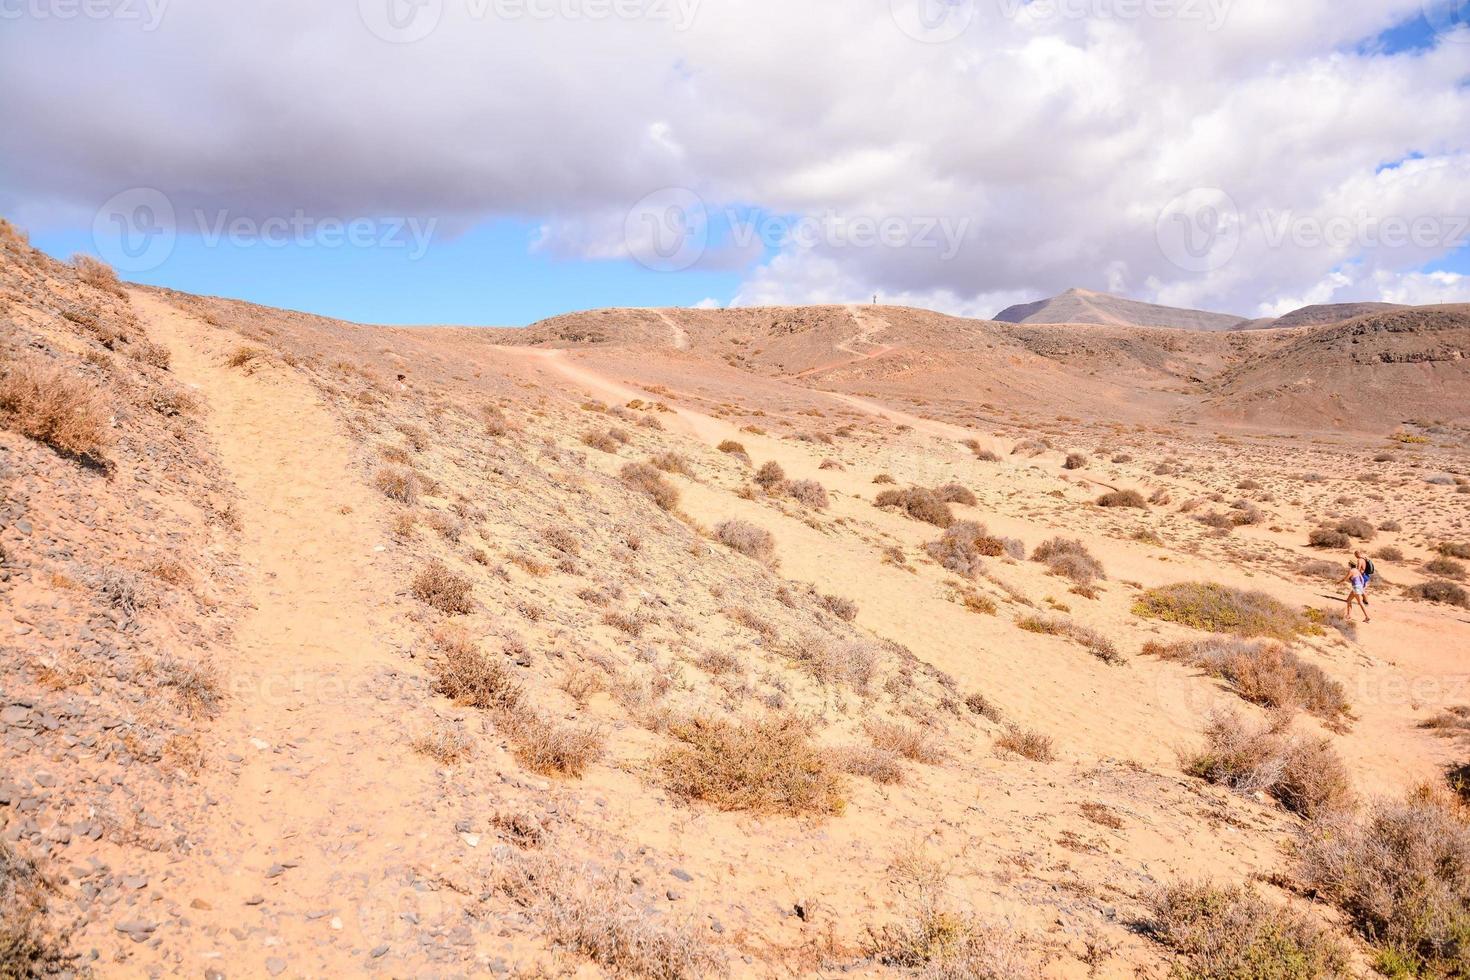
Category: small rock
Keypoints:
(681, 874)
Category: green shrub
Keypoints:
(1235, 934)
(1223, 609)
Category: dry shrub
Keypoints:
(648, 480)
(879, 765)
(11, 235)
(446, 743)
(147, 352)
(1356, 527)
(1401, 873)
(1445, 568)
(601, 916)
(1263, 673)
(909, 741)
(397, 483)
(55, 407)
(555, 749)
(1074, 461)
(95, 272)
(977, 603)
(1069, 558)
(1326, 537)
(1223, 609)
(28, 945)
(732, 448)
(1027, 743)
(918, 503)
(763, 765)
(123, 590)
(602, 440)
(464, 674)
(1234, 934)
(746, 538)
(1098, 645)
(883, 479)
(962, 546)
(197, 687)
(981, 705)
(446, 525)
(244, 356)
(844, 609)
(1123, 498)
(1305, 775)
(808, 493)
(1437, 591)
(770, 475)
(956, 493)
(835, 661)
(671, 462)
(439, 586)
(1452, 549)
(935, 942)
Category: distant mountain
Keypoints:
(1316, 316)
(1085, 306)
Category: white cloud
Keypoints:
(1058, 138)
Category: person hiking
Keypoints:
(1366, 566)
(1359, 584)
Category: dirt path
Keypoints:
(867, 330)
(316, 808)
(681, 336)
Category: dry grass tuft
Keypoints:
(600, 916)
(1437, 591)
(197, 687)
(1304, 775)
(96, 273)
(746, 538)
(1123, 498)
(961, 548)
(763, 765)
(1069, 558)
(880, 765)
(671, 462)
(463, 673)
(397, 483)
(909, 741)
(835, 661)
(55, 407)
(244, 356)
(28, 945)
(446, 744)
(1401, 873)
(1027, 743)
(555, 749)
(919, 503)
(648, 480)
(808, 493)
(1263, 673)
(438, 586)
(1222, 609)
(1233, 934)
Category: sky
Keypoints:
(500, 161)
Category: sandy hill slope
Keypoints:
(332, 649)
(1086, 306)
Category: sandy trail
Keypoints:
(867, 330)
(681, 336)
(318, 812)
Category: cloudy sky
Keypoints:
(496, 161)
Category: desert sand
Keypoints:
(310, 671)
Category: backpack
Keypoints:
(1368, 568)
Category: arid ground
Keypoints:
(767, 642)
